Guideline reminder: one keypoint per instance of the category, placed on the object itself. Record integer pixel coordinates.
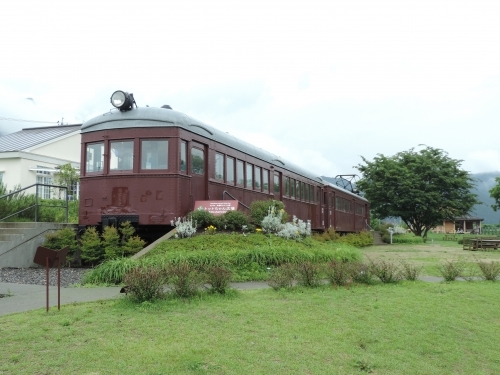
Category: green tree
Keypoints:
(495, 194)
(67, 176)
(422, 188)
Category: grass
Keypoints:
(405, 328)
(429, 255)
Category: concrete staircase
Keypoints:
(19, 241)
(377, 238)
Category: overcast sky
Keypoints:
(319, 83)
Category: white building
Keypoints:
(31, 155)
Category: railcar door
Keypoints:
(198, 170)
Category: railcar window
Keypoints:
(307, 192)
(318, 192)
(183, 159)
(121, 157)
(265, 180)
(154, 154)
(277, 184)
(239, 173)
(297, 189)
(197, 161)
(219, 166)
(249, 180)
(311, 194)
(287, 186)
(303, 191)
(230, 170)
(292, 188)
(94, 158)
(257, 178)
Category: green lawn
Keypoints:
(404, 328)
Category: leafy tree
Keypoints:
(495, 194)
(422, 188)
(67, 176)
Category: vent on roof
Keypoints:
(166, 106)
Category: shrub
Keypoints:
(184, 279)
(338, 272)
(144, 283)
(185, 227)
(233, 220)
(111, 243)
(296, 230)
(308, 274)
(260, 209)
(273, 222)
(282, 276)
(387, 272)
(202, 218)
(133, 245)
(490, 271)
(218, 277)
(360, 273)
(60, 239)
(357, 239)
(91, 246)
(410, 271)
(328, 235)
(110, 272)
(450, 270)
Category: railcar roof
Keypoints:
(146, 117)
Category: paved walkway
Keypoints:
(24, 297)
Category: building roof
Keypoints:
(468, 218)
(30, 137)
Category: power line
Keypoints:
(19, 120)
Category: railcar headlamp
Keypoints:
(123, 100)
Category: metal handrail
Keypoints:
(226, 192)
(36, 205)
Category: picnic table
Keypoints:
(481, 243)
(449, 237)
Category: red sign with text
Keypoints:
(216, 207)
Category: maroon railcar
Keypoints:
(149, 166)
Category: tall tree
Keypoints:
(422, 188)
(495, 194)
(67, 176)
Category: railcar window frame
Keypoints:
(197, 169)
(183, 157)
(230, 173)
(127, 148)
(276, 184)
(93, 158)
(257, 178)
(219, 166)
(144, 158)
(249, 176)
(297, 190)
(240, 172)
(265, 180)
(287, 186)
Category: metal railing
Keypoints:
(36, 205)
(226, 192)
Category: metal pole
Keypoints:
(67, 203)
(47, 286)
(58, 283)
(36, 204)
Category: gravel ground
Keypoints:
(38, 276)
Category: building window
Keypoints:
(219, 166)
(239, 173)
(230, 170)
(154, 154)
(121, 157)
(45, 178)
(183, 157)
(257, 178)
(197, 161)
(249, 180)
(265, 180)
(94, 157)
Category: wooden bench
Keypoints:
(484, 243)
